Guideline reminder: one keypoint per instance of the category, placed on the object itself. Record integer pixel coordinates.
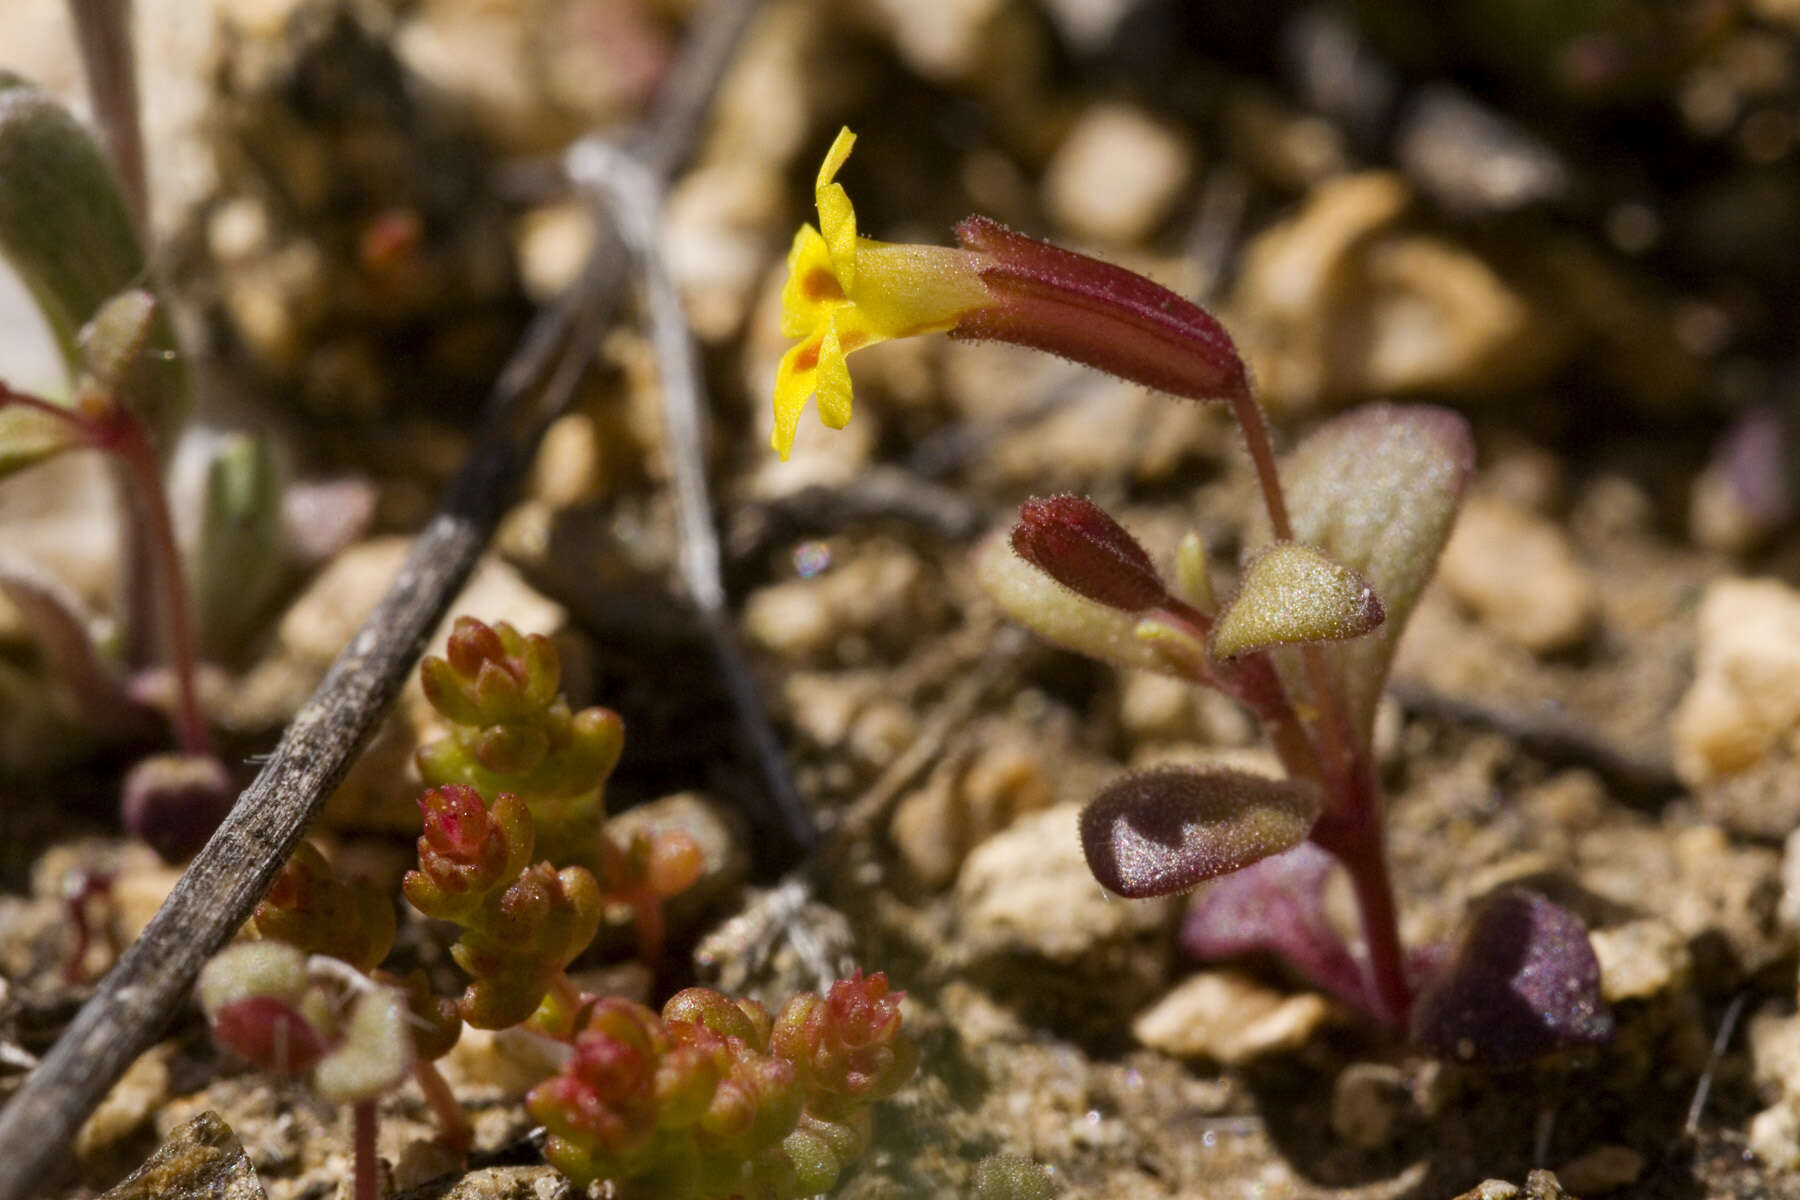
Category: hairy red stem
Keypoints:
(368, 1168)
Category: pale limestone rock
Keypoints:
(943, 40)
(1337, 304)
(1640, 959)
(1789, 910)
(128, 1107)
(1028, 890)
(1230, 1018)
(550, 244)
(877, 588)
(1744, 702)
(1519, 573)
(1774, 1041)
(507, 1062)
(534, 74)
(1117, 174)
(964, 802)
(1775, 1136)
(720, 225)
(1088, 24)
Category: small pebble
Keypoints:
(1640, 959)
(1745, 698)
(1520, 575)
(1229, 1018)
(1028, 890)
(1775, 1136)
(1116, 174)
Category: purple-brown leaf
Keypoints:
(1166, 829)
(1522, 981)
(1277, 907)
(1072, 540)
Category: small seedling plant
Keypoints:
(710, 1098)
(1350, 526)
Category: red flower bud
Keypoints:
(1070, 539)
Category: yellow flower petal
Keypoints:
(811, 290)
(794, 385)
(837, 217)
(833, 381)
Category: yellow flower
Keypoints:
(845, 292)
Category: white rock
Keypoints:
(1745, 698)
(1775, 1136)
(1229, 1018)
(1519, 573)
(1116, 174)
(137, 1097)
(1028, 889)
(965, 802)
(1774, 1041)
(1640, 959)
(1337, 304)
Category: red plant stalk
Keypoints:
(457, 1133)
(102, 425)
(368, 1170)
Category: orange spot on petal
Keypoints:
(821, 285)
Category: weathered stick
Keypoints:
(139, 996)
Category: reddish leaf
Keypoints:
(1164, 830)
(1521, 982)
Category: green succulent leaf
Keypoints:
(1292, 594)
(1377, 490)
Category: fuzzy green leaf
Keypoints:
(1292, 594)
(66, 231)
(1377, 490)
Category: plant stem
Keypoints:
(368, 1170)
(105, 427)
(126, 440)
(454, 1122)
(103, 32)
(1352, 833)
(1262, 456)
